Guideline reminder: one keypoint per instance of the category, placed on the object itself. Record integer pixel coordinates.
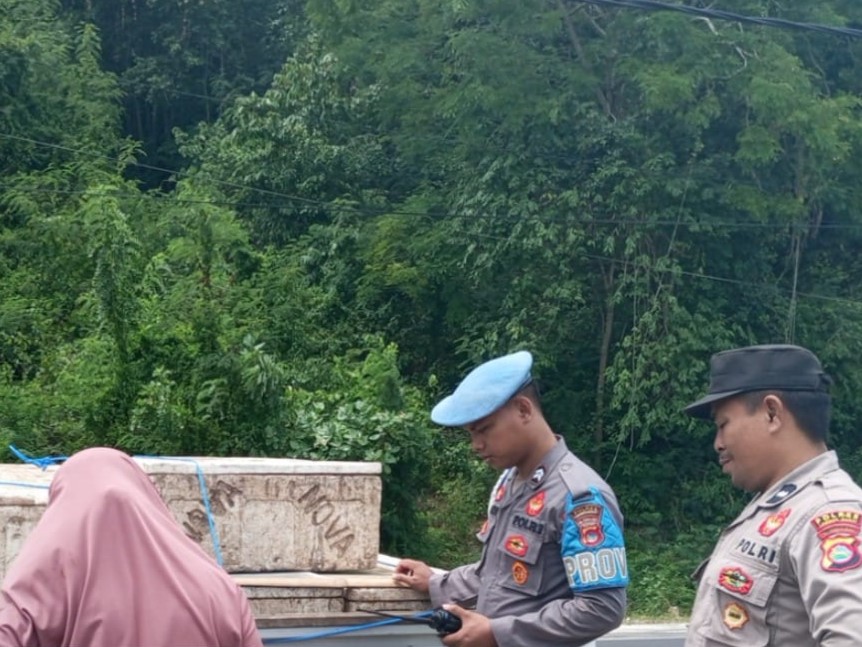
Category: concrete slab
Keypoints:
(270, 514)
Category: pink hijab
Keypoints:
(108, 566)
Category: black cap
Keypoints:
(758, 368)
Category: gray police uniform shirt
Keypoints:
(553, 567)
(788, 571)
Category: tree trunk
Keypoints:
(607, 332)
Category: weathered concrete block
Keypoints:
(275, 602)
(271, 514)
(398, 599)
(20, 507)
(283, 595)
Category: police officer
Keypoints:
(788, 571)
(553, 566)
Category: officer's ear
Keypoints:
(773, 409)
(524, 407)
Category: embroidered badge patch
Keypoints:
(786, 490)
(536, 504)
(588, 518)
(839, 540)
(773, 523)
(520, 573)
(500, 493)
(538, 476)
(735, 616)
(517, 545)
(736, 580)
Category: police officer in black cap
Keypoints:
(788, 571)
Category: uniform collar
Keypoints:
(797, 480)
(548, 463)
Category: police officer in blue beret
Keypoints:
(553, 569)
(787, 572)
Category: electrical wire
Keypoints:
(519, 217)
(654, 5)
(289, 199)
(536, 217)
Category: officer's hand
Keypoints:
(413, 573)
(475, 629)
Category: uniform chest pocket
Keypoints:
(740, 595)
(521, 555)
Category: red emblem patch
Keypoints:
(500, 493)
(536, 504)
(589, 521)
(517, 545)
(520, 573)
(734, 579)
(773, 523)
(735, 616)
(839, 540)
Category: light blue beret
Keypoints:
(485, 389)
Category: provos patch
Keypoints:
(839, 539)
(592, 545)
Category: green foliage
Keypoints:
(375, 195)
(457, 508)
(56, 411)
(294, 150)
(182, 63)
(661, 572)
(367, 414)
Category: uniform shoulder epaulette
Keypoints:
(576, 475)
(840, 486)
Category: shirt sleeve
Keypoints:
(826, 556)
(16, 626)
(459, 586)
(250, 634)
(571, 622)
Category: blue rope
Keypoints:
(19, 484)
(204, 496)
(41, 463)
(47, 461)
(339, 630)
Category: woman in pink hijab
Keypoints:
(108, 566)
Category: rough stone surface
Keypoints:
(385, 599)
(270, 514)
(267, 601)
(286, 594)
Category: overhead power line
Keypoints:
(586, 220)
(653, 5)
(280, 199)
(483, 216)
